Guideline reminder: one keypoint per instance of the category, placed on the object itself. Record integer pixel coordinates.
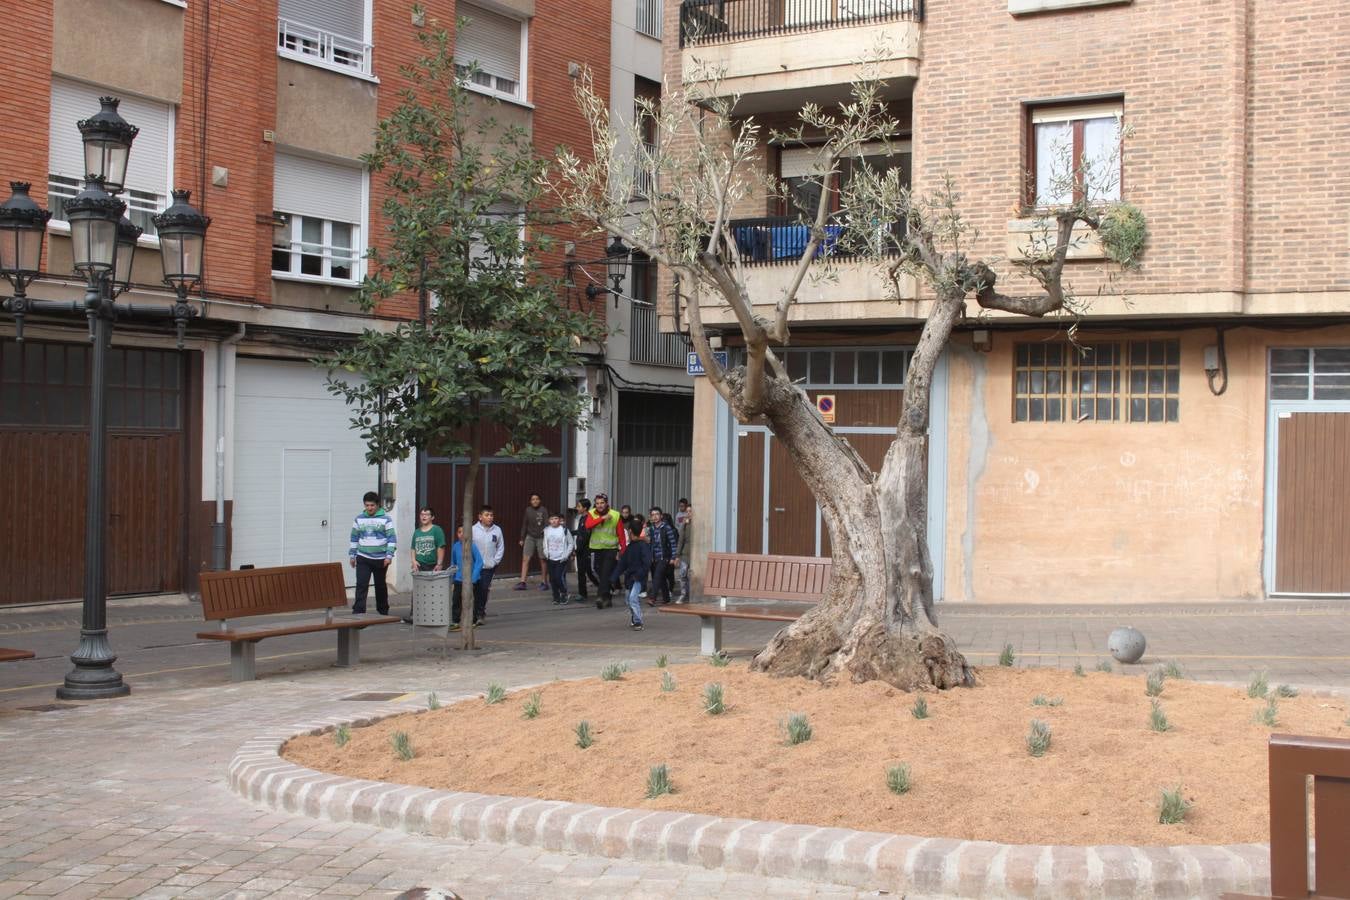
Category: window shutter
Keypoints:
(311, 187)
(346, 18)
(151, 153)
(800, 162)
(490, 39)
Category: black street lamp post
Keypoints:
(103, 243)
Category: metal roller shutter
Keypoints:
(312, 187)
(490, 39)
(346, 18)
(151, 152)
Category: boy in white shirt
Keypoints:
(559, 544)
(487, 537)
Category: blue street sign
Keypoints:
(694, 365)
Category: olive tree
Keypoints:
(876, 620)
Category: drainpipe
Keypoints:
(218, 563)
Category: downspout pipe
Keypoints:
(218, 561)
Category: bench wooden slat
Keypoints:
(8, 654)
(258, 632)
(253, 592)
(767, 577)
(782, 613)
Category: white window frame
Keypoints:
(359, 247)
(521, 97)
(1045, 114)
(61, 226)
(365, 72)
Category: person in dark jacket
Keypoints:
(582, 535)
(661, 534)
(532, 526)
(635, 566)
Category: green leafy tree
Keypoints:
(493, 343)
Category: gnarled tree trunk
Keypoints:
(876, 621)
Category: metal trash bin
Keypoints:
(431, 599)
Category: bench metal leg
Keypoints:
(710, 635)
(242, 655)
(349, 647)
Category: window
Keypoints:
(1073, 149)
(481, 257)
(47, 385)
(799, 170)
(849, 368)
(1137, 381)
(148, 168)
(327, 33)
(649, 18)
(319, 214)
(1319, 373)
(491, 50)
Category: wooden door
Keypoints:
(750, 493)
(792, 507)
(1312, 530)
(872, 448)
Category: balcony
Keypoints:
(646, 343)
(323, 48)
(770, 247)
(779, 54)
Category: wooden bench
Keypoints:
(10, 655)
(795, 582)
(284, 589)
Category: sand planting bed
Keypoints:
(972, 776)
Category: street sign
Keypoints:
(825, 404)
(694, 365)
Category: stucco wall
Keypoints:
(148, 35)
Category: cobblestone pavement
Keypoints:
(128, 798)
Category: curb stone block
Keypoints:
(613, 836)
(712, 841)
(816, 851)
(583, 831)
(1257, 859)
(388, 811)
(648, 836)
(973, 867)
(927, 872)
(524, 826)
(682, 839)
(471, 816)
(492, 824)
(744, 851)
(552, 826)
(1069, 873)
(1217, 873)
(894, 861)
(1119, 871)
(781, 851)
(856, 856)
(1167, 875)
(1020, 866)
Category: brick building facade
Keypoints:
(1195, 450)
(263, 111)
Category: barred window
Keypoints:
(1135, 381)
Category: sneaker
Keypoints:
(478, 623)
(520, 586)
(643, 595)
(637, 626)
(542, 586)
(407, 620)
(454, 626)
(599, 604)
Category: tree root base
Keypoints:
(909, 659)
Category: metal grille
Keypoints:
(649, 18)
(646, 343)
(325, 47)
(766, 240)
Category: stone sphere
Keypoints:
(1126, 644)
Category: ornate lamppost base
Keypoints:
(93, 677)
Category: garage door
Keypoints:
(299, 469)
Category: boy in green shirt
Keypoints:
(428, 545)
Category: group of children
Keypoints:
(612, 548)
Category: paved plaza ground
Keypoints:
(128, 798)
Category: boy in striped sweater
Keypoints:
(371, 552)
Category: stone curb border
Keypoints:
(904, 865)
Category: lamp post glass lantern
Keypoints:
(616, 261)
(103, 247)
(107, 141)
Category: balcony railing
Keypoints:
(721, 21)
(323, 47)
(782, 239)
(646, 343)
(644, 180)
(649, 18)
